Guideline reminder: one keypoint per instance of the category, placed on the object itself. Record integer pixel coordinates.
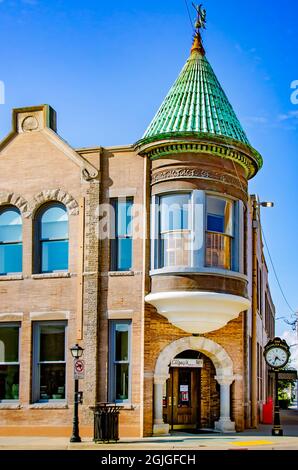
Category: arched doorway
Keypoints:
(191, 399)
(224, 376)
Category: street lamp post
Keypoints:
(76, 352)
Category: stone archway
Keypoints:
(10, 198)
(54, 195)
(224, 376)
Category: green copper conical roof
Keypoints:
(196, 104)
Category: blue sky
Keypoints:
(106, 66)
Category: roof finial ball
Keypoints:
(199, 24)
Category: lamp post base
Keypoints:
(277, 432)
(75, 439)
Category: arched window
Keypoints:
(53, 238)
(10, 241)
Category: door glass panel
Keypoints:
(184, 387)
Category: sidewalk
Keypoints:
(255, 439)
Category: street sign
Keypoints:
(79, 369)
(286, 375)
(192, 363)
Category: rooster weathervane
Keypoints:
(201, 18)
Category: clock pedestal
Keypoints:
(276, 430)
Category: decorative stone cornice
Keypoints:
(13, 199)
(53, 195)
(197, 173)
(226, 148)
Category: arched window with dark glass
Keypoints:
(10, 241)
(52, 223)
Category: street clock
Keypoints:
(277, 353)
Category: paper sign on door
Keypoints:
(184, 393)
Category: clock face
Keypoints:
(276, 357)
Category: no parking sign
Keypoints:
(79, 369)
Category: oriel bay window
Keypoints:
(197, 232)
(49, 364)
(9, 361)
(119, 360)
(52, 255)
(10, 241)
(121, 238)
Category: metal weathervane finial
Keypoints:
(199, 24)
(201, 18)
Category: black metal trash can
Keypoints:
(106, 422)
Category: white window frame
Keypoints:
(11, 325)
(198, 221)
(156, 227)
(113, 362)
(36, 363)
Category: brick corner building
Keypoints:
(149, 256)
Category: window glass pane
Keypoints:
(219, 215)
(174, 212)
(54, 224)
(9, 344)
(175, 249)
(124, 218)
(52, 341)
(122, 381)
(124, 254)
(11, 258)
(121, 340)
(54, 256)
(9, 382)
(10, 226)
(52, 381)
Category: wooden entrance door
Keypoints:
(183, 398)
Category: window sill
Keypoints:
(51, 275)
(201, 271)
(49, 406)
(10, 406)
(11, 277)
(125, 406)
(121, 273)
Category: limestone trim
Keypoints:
(119, 314)
(218, 355)
(13, 277)
(14, 199)
(10, 405)
(8, 317)
(50, 315)
(49, 195)
(51, 275)
(49, 406)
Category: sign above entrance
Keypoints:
(198, 363)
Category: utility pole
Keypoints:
(254, 343)
(256, 224)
